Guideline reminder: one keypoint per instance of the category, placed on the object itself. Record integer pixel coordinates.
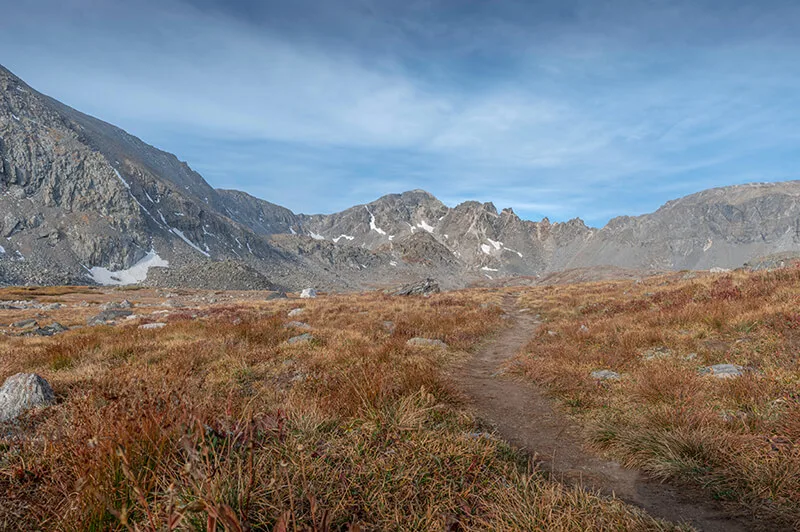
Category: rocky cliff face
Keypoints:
(83, 201)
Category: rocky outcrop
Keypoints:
(421, 288)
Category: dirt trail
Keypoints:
(524, 416)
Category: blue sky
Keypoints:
(558, 108)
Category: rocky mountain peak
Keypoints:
(81, 200)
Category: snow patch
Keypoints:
(2, 249)
(315, 236)
(486, 249)
(372, 225)
(346, 237)
(497, 245)
(15, 117)
(488, 269)
(133, 275)
(392, 263)
(119, 176)
(185, 239)
(514, 251)
(424, 225)
(708, 245)
(291, 230)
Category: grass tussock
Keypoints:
(737, 437)
(215, 422)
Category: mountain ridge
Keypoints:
(79, 196)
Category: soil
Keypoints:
(523, 415)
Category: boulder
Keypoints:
(308, 293)
(25, 324)
(426, 342)
(296, 312)
(149, 326)
(108, 316)
(22, 392)
(421, 288)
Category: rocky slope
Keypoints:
(82, 201)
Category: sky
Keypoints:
(562, 108)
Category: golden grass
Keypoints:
(736, 437)
(215, 422)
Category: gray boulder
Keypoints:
(308, 293)
(25, 324)
(149, 326)
(22, 392)
(108, 316)
(296, 312)
(421, 288)
(426, 342)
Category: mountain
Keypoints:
(83, 201)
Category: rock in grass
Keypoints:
(723, 371)
(297, 325)
(605, 374)
(426, 342)
(296, 312)
(156, 325)
(21, 392)
(25, 324)
(422, 288)
(308, 293)
(305, 337)
(107, 316)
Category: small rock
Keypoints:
(308, 293)
(157, 325)
(22, 392)
(422, 288)
(297, 325)
(305, 337)
(296, 312)
(426, 342)
(584, 329)
(389, 327)
(723, 371)
(552, 333)
(52, 306)
(25, 324)
(108, 316)
(605, 374)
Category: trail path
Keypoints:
(525, 417)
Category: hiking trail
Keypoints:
(523, 415)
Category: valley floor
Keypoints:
(243, 412)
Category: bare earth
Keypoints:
(522, 414)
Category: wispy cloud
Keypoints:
(554, 108)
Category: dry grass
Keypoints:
(215, 422)
(736, 437)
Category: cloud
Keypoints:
(554, 108)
